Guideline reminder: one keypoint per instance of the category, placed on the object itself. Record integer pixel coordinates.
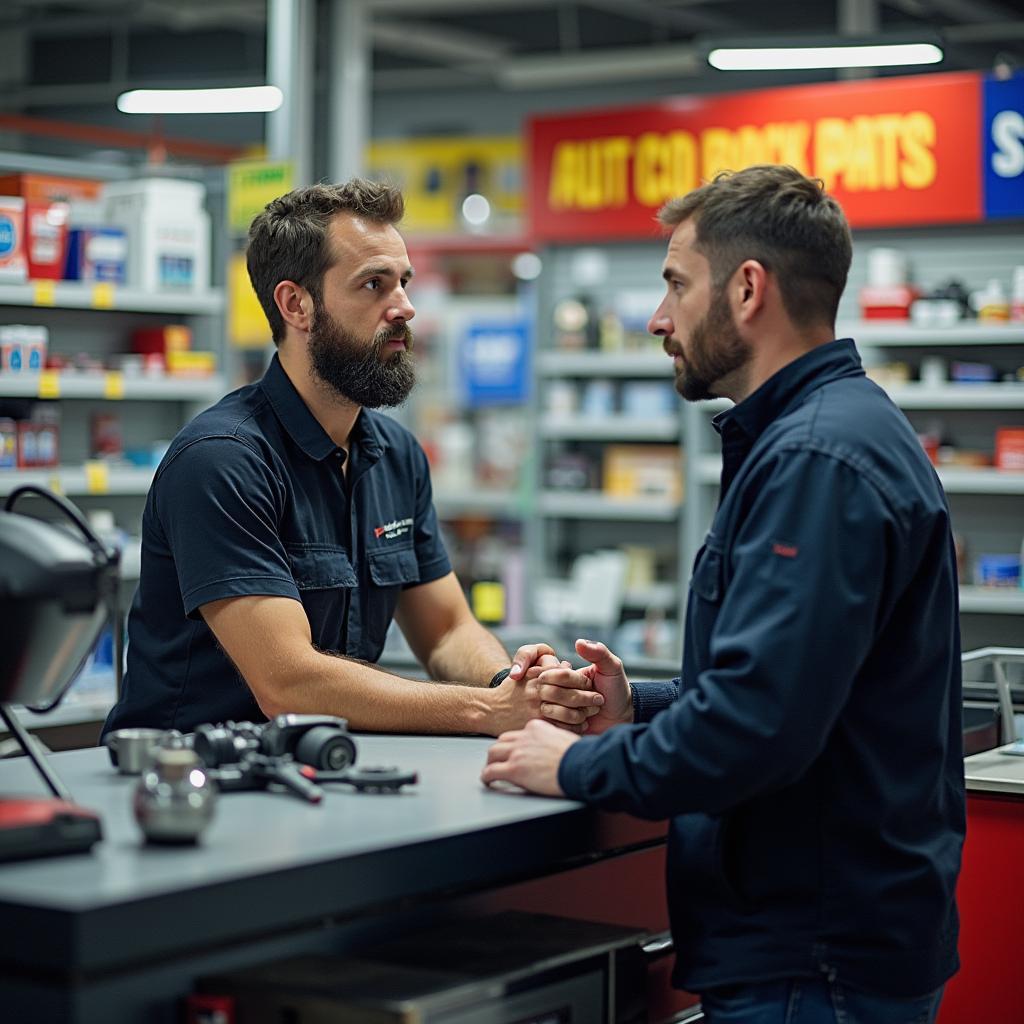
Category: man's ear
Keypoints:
(295, 305)
(749, 289)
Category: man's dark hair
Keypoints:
(288, 240)
(782, 219)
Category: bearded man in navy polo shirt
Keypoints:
(809, 756)
(289, 524)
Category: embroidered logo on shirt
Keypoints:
(393, 529)
(785, 550)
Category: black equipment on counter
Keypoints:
(294, 751)
(57, 590)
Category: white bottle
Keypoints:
(1017, 296)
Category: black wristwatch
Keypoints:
(499, 677)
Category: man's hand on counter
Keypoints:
(529, 758)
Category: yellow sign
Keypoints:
(488, 601)
(247, 324)
(49, 384)
(436, 175)
(44, 293)
(103, 296)
(251, 185)
(97, 477)
(113, 385)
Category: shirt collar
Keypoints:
(304, 428)
(789, 386)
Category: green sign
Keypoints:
(251, 185)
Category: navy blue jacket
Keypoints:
(251, 499)
(810, 756)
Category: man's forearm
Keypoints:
(375, 700)
(468, 653)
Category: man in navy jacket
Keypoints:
(810, 755)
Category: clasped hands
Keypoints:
(572, 701)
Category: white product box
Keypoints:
(23, 348)
(168, 232)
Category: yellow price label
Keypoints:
(49, 384)
(113, 385)
(103, 296)
(97, 477)
(56, 484)
(44, 293)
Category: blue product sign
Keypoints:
(495, 363)
(7, 235)
(1004, 147)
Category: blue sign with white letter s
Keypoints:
(495, 363)
(1004, 147)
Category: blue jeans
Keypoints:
(813, 1001)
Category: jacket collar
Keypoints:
(790, 386)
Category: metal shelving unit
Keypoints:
(100, 295)
(92, 479)
(596, 505)
(111, 386)
(611, 428)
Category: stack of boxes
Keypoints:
(152, 233)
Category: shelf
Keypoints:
(958, 396)
(111, 386)
(80, 480)
(980, 481)
(482, 502)
(595, 505)
(708, 469)
(899, 334)
(91, 295)
(660, 596)
(644, 362)
(611, 428)
(992, 600)
(954, 480)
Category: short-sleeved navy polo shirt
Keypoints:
(251, 500)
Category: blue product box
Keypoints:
(97, 254)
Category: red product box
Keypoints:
(161, 340)
(887, 303)
(46, 239)
(1010, 448)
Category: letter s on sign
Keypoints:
(1008, 136)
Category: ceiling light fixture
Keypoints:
(790, 58)
(245, 100)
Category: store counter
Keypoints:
(990, 985)
(121, 933)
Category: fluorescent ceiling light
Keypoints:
(256, 98)
(787, 58)
(799, 57)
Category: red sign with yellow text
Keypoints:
(895, 152)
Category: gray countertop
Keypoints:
(270, 861)
(995, 771)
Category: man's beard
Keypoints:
(716, 350)
(359, 372)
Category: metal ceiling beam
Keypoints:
(988, 33)
(611, 65)
(684, 19)
(436, 42)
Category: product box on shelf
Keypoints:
(46, 239)
(1010, 448)
(169, 232)
(643, 471)
(23, 347)
(161, 340)
(13, 266)
(8, 443)
(38, 439)
(46, 188)
(191, 364)
(97, 254)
